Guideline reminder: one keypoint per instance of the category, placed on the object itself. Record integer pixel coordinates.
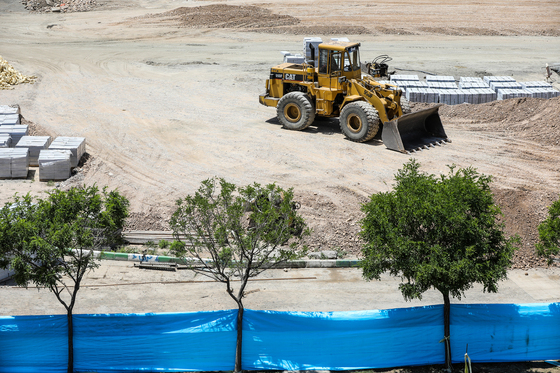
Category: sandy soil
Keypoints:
(166, 94)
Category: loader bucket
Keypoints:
(414, 131)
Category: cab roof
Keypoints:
(337, 45)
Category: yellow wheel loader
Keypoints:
(329, 83)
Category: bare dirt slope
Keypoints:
(166, 94)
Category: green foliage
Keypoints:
(436, 232)
(48, 240)
(549, 233)
(243, 230)
(163, 244)
(177, 249)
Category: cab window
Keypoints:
(352, 59)
(323, 61)
(336, 59)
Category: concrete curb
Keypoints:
(310, 263)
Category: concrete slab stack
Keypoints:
(536, 84)
(494, 79)
(540, 89)
(397, 77)
(35, 144)
(473, 85)
(5, 141)
(404, 85)
(505, 85)
(54, 164)
(9, 119)
(442, 85)
(429, 95)
(9, 109)
(15, 131)
(543, 92)
(470, 79)
(472, 90)
(504, 94)
(77, 146)
(440, 79)
(14, 163)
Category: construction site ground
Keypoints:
(166, 94)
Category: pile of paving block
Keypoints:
(472, 90)
(18, 151)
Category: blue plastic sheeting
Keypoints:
(342, 340)
(33, 344)
(205, 341)
(167, 342)
(505, 332)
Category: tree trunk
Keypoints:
(446, 322)
(239, 344)
(70, 342)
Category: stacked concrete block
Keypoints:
(449, 97)
(504, 94)
(5, 141)
(442, 85)
(473, 85)
(397, 77)
(429, 95)
(439, 79)
(35, 144)
(9, 119)
(408, 84)
(486, 95)
(470, 79)
(494, 79)
(14, 163)
(54, 164)
(543, 92)
(77, 145)
(9, 109)
(505, 85)
(15, 131)
(536, 84)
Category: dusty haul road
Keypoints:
(168, 100)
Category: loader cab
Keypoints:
(338, 59)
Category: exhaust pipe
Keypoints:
(415, 131)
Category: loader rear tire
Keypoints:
(359, 121)
(295, 111)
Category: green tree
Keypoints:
(231, 233)
(436, 232)
(549, 233)
(50, 242)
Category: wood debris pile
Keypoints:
(10, 76)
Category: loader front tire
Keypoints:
(295, 111)
(359, 121)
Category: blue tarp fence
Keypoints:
(272, 340)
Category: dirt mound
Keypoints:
(317, 30)
(532, 119)
(223, 16)
(523, 211)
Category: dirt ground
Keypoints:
(166, 94)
